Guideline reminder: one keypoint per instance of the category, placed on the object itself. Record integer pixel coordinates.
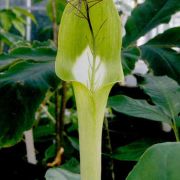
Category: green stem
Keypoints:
(60, 111)
(48, 114)
(109, 148)
(60, 120)
(1, 42)
(174, 127)
(176, 132)
(91, 108)
(1, 47)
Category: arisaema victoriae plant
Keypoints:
(89, 48)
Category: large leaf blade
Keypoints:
(161, 58)
(10, 38)
(21, 11)
(23, 86)
(165, 93)
(132, 151)
(160, 161)
(147, 16)
(137, 108)
(168, 39)
(6, 17)
(162, 61)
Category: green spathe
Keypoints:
(89, 56)
(77, 47)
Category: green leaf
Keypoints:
(162, 61)
(132, 151)
(23, 85)
(48, 44)
(165, 93)
(168, 39)
(147, 16)
(6, 61)
(159, 55)
(24, 12)
(159, 162)
(129, 57)
(74, 142)
(19, 26)
(177, 118)
(10, 38)
(36, 1)
(43, 131)
(61, 174)
(6, 17)
(50, 152)
(137, 108)
(72, 165)
(34, 52)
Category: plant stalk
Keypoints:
(1, 47)
(61, 115)
(1, 42)
(176, 132)
(60, 109)
(109, 148)
(175, 129)
(91, 109)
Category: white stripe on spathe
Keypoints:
(84, 64)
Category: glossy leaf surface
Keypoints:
(148, 15)
(24, 80)
(160, 161)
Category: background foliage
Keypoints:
(135, 115)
